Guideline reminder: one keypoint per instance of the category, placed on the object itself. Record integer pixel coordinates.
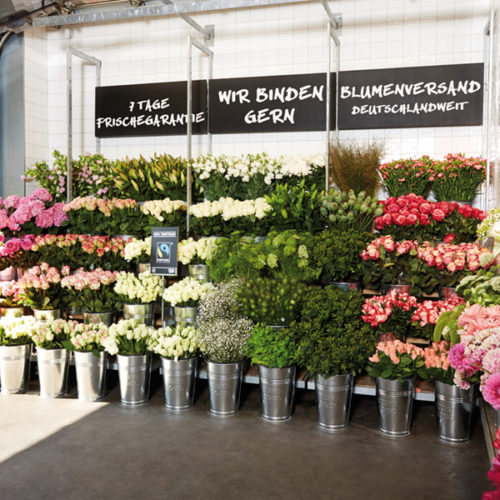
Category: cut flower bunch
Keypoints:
(143, 289)
(187, 292)
(16, 331)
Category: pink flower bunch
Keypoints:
(102, 244)
(92, 204)
(93, 280)
(14, 245)
(428, 311)
(459, 161)
(10, 293)
(405, 168)
(451, 257)
(436, 355)
(494, 472)
(413, 210)
(373, 250)
(377, 310)
(477, 318)
(60, 241)
(395, 350)
(43, 276)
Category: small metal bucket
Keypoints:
(52, 371)
(344, 285)
(46, 315)
(8, 274)
(454, 410)
(178, 380)
(448, 292)
(143, 267)
(199, 271)
(394, 405)
(185, 315)
(277, 388)
(90, 375)
(14, 368)
(105, 318)
(135, 377)
(334, 401)
(143, 312)
(224, 385)
(11, 312)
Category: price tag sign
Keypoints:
(164, 243)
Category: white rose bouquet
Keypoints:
(187, 292)
(165, 212)
(222, 217)
(177, 343)
(138, 251)
(16, 331)
(130, 337)
(142, 289)
(200, 251)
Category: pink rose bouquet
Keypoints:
(92, 291)
(390, 313)
(10, 294)
(411, 217)
(87, 337)
(436, 363)
(41, 287)
(395, 360)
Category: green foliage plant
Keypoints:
(332, 339)
(271, 347)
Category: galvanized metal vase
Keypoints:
(277, 388)
(8, 274)
(394, 405)
(91, 375)
(224, 386)
(105, 318)
(45, 315)
(185, 315)
(398, 288)
(52, 371)
(496, 414)
(11, 312)
(448, 292)
(143, 312)
(454, 411)
(178, 381)
(344, 285)
(334, 401)
(14, 368)
(200, 272)
(135, 376)
(143, 267)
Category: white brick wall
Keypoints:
(262, 41)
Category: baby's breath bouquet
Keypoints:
(52, 334)
(177, 343)
(142, 289)
(187, 292)
(16, 331)
(130, 337)
(192, 251)
(223, 332)
(138, 251)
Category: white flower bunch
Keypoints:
(157, 207)
(301, 165)
(127, 335)
(143, 289)
(16, 328)
(177, 343)
(187, 292)
(486, 228)
(229, 208)
(196, 250)
(205, 165)
(138, 249)
(89, 337)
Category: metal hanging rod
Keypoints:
(155, 11)
(206, 31)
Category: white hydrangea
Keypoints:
(177, 343)
(137, 249)
(144, 288)
(188, 291)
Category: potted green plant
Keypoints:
(223, 335)
(87, 344)
(274, 350)
(15, 353)
(334, 345)
(178, 348)
(138, 294)
(133, 343)
(394, 366)
(49, 338)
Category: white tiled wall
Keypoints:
(249, 42)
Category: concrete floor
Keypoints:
(64, 449)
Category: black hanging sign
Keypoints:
(286, 103)
(164, 243)
(149, 109)
(424, 96)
